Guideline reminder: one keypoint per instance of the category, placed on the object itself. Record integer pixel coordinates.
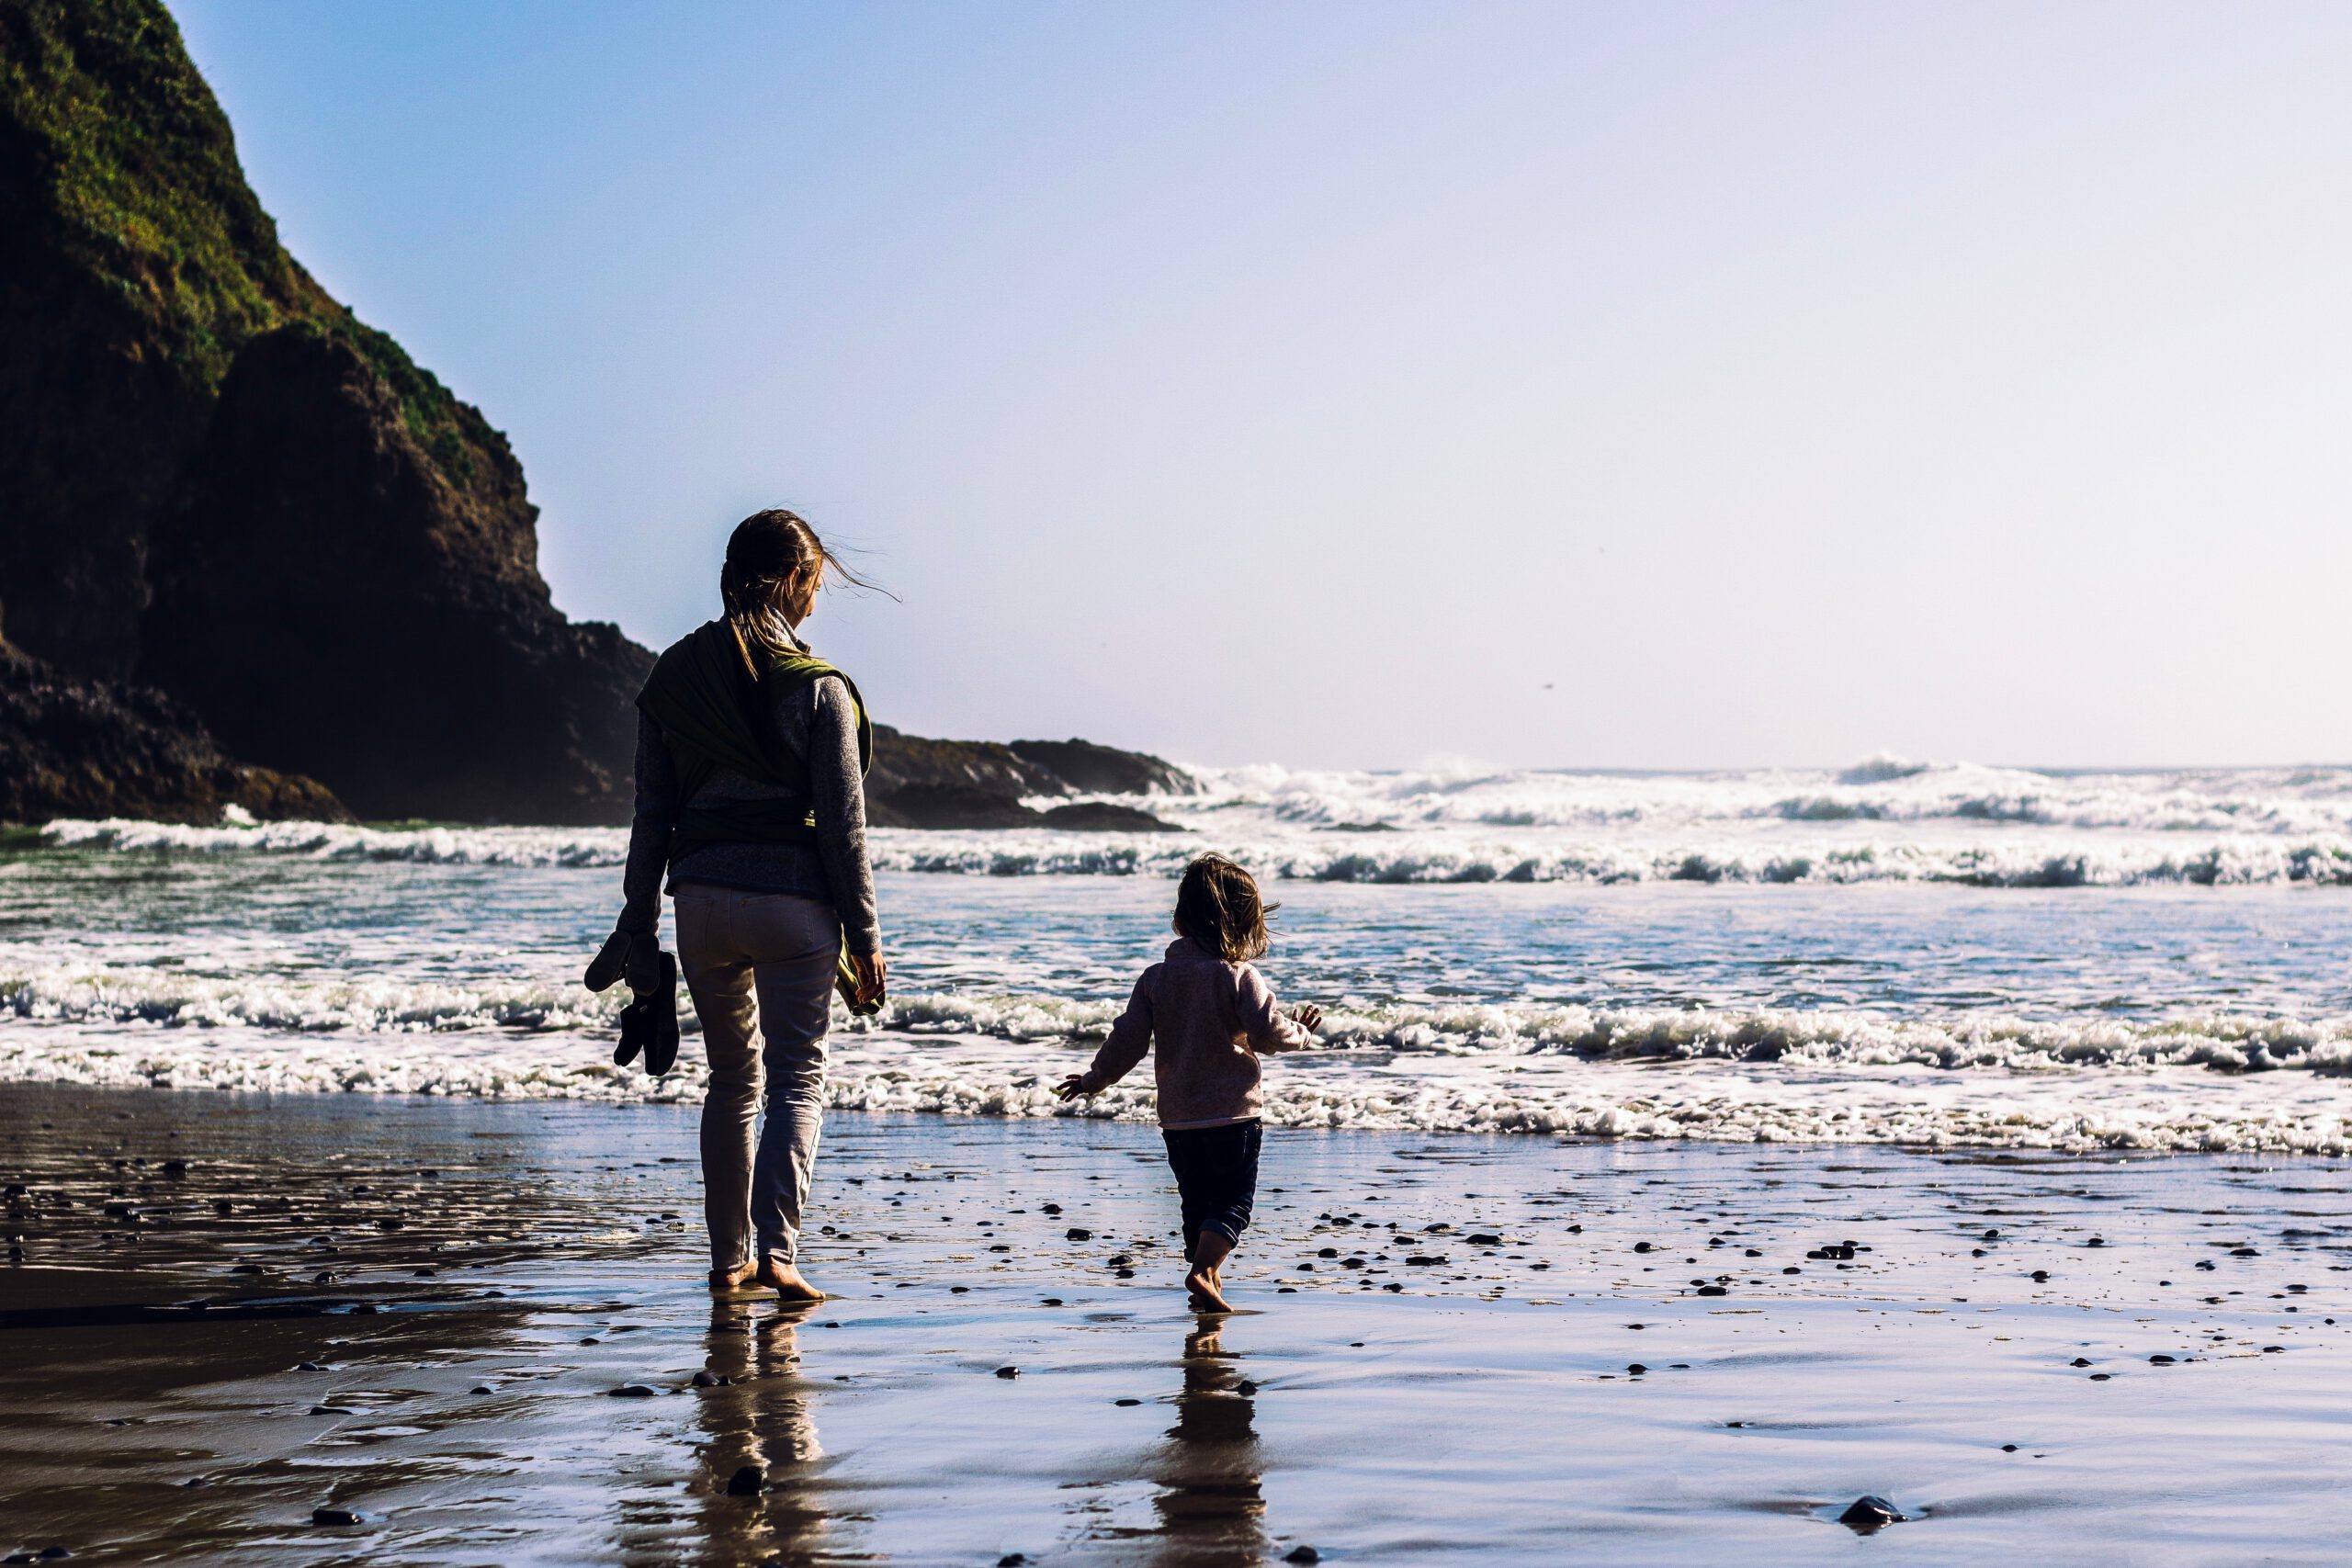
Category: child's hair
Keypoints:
(1218, 906)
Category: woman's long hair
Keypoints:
(767, 555)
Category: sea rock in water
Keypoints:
(73, 745)
(1870, 1512)
(747, 1482)
(335, 1518)
(1101, 770)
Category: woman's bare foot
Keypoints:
(735, 1279)
(785, 1280)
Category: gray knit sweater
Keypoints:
(817, 722)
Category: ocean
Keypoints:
(1938, 956)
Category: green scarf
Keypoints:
(706, 704)
(707, 707)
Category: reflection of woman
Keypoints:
(1211, 1505)
(754, 1427)
(750, 759)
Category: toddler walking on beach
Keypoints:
(1211, 1016)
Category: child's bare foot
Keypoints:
(1206, 1289)
(735, 1279)
(785, 1280)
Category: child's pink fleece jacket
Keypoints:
(1212, 1020)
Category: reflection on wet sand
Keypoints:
(1211, 1502)
(759, 1503)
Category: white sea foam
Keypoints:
(2202, 1081)
(1769, 853)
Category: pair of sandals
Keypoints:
(650, 1022)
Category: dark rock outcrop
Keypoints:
(1091, 769)
(347, 584)
(213, 477)
(134, 260)
(982, 783)
(75, 747)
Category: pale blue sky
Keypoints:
(1354, 384)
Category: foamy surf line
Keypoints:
(2206, 1082)
(2167, 1109)
(137, 1001)
(1430, 856)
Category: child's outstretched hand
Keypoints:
(1309, 1016)
(1072, 1088)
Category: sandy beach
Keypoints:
(479, 1327)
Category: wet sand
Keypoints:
(1530, 1367)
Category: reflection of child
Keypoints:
(1211, 1016)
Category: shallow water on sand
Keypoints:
(1480, 1406)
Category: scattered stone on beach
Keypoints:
(308, 1367)
(2009, 1448)
(2080, 1362)
(1013, 1560)
(708, 1379)
(335, 1518)
(1124, 1402)
(2041, 1276)
(1869, 1512)
(1635, 1368)
(747, 1482)
(1008, 1372)
(482, 1388)
(1077, 1233)
(2160, 1360)
(2101, 1377)
(634, 1391)
(1302, 1553)
(1643, 1246)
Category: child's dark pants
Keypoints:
(1217, 1177)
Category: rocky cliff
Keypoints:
(81, 748)
(216, 483)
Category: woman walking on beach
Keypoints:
(750, 762)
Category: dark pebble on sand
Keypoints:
(1792, 1269)
(1008, 1372)
(634, 1391)
(2079, 1361)
(1713, 1291)
(333, 1517)
(2160, 1360)
(958, 1290)
(2101, 1377)
(747, 1482)
(1051, 1301)
(1050, 1208)
(1486, 1238)
(2095, 1241)
(2244, 1252)
(2041, 1276)
(1126, 1402)
(1635, 1368)
(1079, 1233)
(1753, 1252)
(1868, 1513)
(2273, 1350)
(482, 1388)
(2009, 1448)
(1302, 1554)
(307, 1366)
(1643, 1246)
(708, 1379)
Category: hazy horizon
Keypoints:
(1552, 387)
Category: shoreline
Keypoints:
(1485, 1407)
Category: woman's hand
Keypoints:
(1308, 1017)
(1072, 1088)
(872, 970)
